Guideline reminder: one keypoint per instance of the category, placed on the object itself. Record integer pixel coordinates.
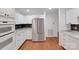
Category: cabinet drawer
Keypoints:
(70, 42)
(76, 43)
(67, 37)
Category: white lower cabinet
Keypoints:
(22, 35)
(20, 38)
(69, 42)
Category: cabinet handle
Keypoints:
(5, 22)
(5, 14)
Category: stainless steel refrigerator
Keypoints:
(38, 29)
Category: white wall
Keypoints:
(51, 22)
(62, 19)
(28, 18)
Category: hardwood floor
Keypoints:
(49, 44)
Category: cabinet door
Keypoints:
(70, 42)
(10, 12)
(20, 37)
(68, 16)
(74, 15)
(71, 16)
(75, 42)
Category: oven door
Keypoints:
(6, 29)
(7, 42)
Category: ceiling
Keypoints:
(35, 11)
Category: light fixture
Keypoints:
(27, 10)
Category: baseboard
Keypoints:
(24, 42)
(63, 47)
(29, 39)
(21, 45)
(51, 37)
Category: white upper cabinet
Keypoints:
(68, 16)
(72, 16)
(8, 12)
(2, 11)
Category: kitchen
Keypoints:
(21, 24)
(36, 29)
(39, 28)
